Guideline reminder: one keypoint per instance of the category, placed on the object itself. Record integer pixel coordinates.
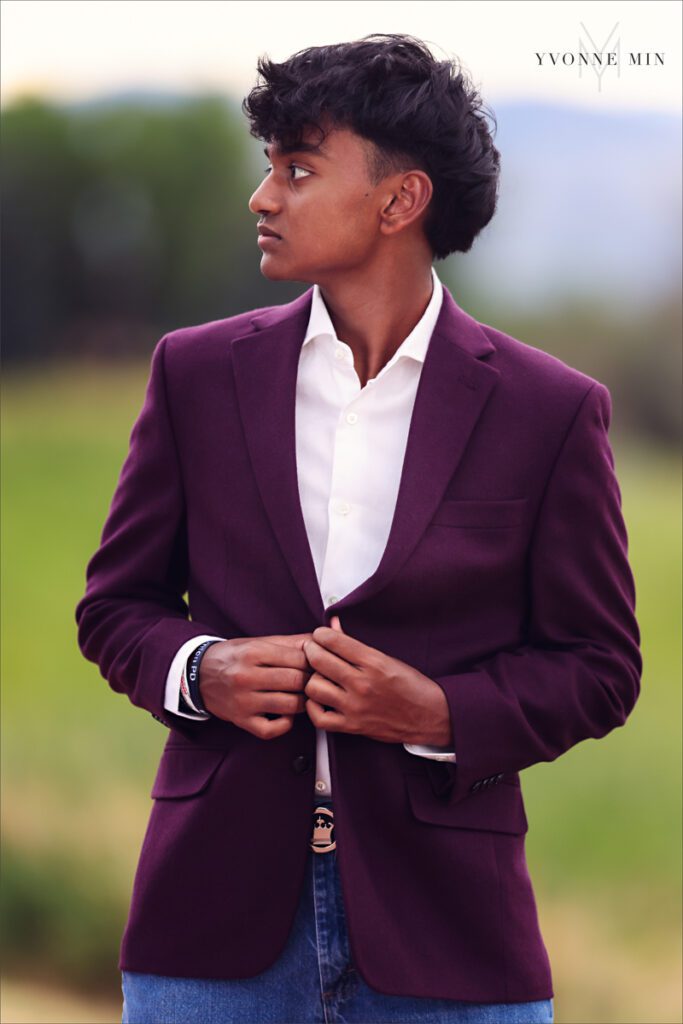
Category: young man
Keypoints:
(401, 539)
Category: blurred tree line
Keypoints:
(125, 219)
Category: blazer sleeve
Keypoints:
(578, 676)
(133, 617)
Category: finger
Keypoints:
(329, 665)
(331, 721)
(288, 639)
(325, 692)
(344, 646)
(289, 680)
(281, 655)
(268, 729)
(278, 703)
(335, 622)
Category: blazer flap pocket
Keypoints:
(185, 771)
(499, 808)
(480, 514)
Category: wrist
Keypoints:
(190, 682)
(436, 729)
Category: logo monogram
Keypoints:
(322, 840)
(597, 68)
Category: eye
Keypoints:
(267, 170)
(295, 167)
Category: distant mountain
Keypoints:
(590, 205)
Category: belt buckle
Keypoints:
(322, 837)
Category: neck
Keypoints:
(374, 312)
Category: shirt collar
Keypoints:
(414, 346)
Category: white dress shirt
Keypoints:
(350, 445)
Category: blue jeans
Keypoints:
(314, 981)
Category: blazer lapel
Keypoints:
(453, 390)
(454, 387)
(266, 363)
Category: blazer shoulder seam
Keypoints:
(563, 371)
(227, 328)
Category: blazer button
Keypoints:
(300, 764)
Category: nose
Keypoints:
(264, 199)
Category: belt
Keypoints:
(322, 835)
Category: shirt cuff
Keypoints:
(172, 693)
(433, 753)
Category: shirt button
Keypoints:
(320, 786)
(332, 599)
(343, 508)
(352, 417)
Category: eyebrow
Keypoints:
(300, 147)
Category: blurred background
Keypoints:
(127, 170)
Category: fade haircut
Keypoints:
(416, 112)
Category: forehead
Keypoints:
(336, 142)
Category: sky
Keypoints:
(80, 49)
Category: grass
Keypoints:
(24, 1002)
(78, 760)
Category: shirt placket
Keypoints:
(343, 504)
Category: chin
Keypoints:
(271, 270)
(278, 270)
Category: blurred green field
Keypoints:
(604, 845)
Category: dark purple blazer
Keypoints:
(505, 579)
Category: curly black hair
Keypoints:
(418, 112)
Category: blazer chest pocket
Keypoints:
(481, 514)
(497, 809)
(186, 771)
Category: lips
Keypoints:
(267, 233)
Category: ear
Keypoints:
(408, 201)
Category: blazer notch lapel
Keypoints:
(265, 365)
(455, 386)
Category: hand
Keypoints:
(244, 679)
(370, 693)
